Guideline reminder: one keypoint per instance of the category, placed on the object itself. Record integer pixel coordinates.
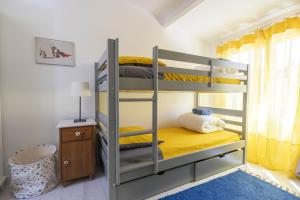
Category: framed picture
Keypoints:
(54, 52)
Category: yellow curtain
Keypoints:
(274, 92)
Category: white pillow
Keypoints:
(201, 123)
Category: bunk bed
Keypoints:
(144, 172)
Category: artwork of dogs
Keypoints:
(54, 52)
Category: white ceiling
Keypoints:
(157, 7)
(212, 20)
(167, 11)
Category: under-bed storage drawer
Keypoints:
(145, 187)
(219, 164)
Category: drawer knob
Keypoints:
(66, 162)
(77, 134)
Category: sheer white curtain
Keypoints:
(274, 101)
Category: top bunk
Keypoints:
(220, 75)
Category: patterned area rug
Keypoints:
(238, 185)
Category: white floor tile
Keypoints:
(55, 193)
(73, 197)
(74, 189)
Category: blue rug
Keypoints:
(235, 186)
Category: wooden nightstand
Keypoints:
(77, 149)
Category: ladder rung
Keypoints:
(135, 99)
(136, 133)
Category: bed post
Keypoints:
(96, 92)
(113, 93)
(244, 119)
(196, 99)
(117, 76)
(154, 109)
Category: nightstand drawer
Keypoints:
(77, 133)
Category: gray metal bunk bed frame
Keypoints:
(143, 180)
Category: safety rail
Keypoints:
(135, 99)
(222, 111)
(195, 72)
(237, 123)
(211, 62)
(102, 75)
(102, 118)
(189, 58)
(103, 59)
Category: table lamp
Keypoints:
(80, 89)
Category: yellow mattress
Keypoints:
(201, 79)
(180, 141)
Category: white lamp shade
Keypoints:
(80, 89)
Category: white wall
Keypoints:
(1, 142)
(35, 97)
(1, 148)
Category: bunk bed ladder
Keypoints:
(153, 131)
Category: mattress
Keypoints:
(199, 79)
(180, 141)
(177, 142)
(146, 72)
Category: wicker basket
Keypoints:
(33, 171)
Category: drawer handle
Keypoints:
(66, 162)
(77, 134)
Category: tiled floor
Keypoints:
(93, 190)
(83, 189)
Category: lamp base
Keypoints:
(79, 120)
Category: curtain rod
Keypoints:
(268, 20)
(276, 21)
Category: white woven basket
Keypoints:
(33, 171)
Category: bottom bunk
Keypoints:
(184, 156)
(173, 142)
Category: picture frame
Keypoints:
(54, 52)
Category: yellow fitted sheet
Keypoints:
(180, 141)
(145, 138)
(201, 79)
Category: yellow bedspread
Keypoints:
(180, 141)
(201, 79)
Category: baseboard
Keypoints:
(2, 182)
